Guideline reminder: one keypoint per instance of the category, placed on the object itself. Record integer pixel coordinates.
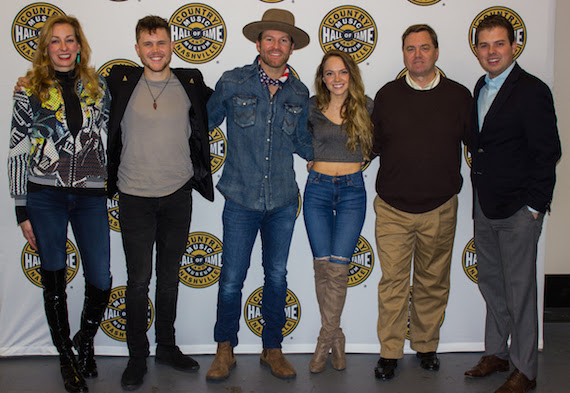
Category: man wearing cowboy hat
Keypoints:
(266, 109)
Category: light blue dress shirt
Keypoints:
(487, 95)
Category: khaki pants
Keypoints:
(428, 239)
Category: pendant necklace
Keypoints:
(150, 91)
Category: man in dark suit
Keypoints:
(158, 151)
(515, 147)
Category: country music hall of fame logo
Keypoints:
(201, 264)
(31, 263)
(424, 2)
(511, 16)
(105, 69)
(349, 29)
(198, 31)
(254, 319)
(469, 259)
(27, 24)
(361, 264)
(218, 145)
(114, 321)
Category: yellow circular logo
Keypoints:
(467, 156)
(31, 263)
(105, 69)
(470, 261)
(113, 212)
(255, 321)
(424, 2)
(201, 263)
(405, 71)
(292, 70)
(410, 313)
(198, 32)
(218, 144)
(511, 16)
(361, 264)
(349, 29)
(27, 25)
(114, 322)
(272, 1)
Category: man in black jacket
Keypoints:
(515, 147)
(158, 151)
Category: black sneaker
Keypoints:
(134, 374)
(173, 357)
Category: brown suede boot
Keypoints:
(319, 359)
(223, 363)
(336, 296)
(280, 367)
(338, 358)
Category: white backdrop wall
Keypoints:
(109, 26)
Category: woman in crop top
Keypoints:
(335, 199)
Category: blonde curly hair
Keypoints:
(42, 75)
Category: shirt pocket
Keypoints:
(291, 118)
(244, 110)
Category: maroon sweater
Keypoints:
(418, 135)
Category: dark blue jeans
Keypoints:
(334, 208)
(241, 226)
(144, 222)
(50, 211)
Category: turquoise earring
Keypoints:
(78, 58)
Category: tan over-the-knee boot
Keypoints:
(336, 296)
(319, 359)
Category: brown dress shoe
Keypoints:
(280, 367)
(223, 363)
(517, 383)
(488, 365)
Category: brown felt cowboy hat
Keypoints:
(276, 19)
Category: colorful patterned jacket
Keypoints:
(45, 152)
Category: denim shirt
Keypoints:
(263, 132)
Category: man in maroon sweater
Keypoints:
(420, 121)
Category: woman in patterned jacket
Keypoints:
(57, 173)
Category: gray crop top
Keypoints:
(329, 140)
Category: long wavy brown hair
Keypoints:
(42, 74)
(356, 119)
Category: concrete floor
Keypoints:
(41, 374)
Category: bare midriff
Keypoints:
(336, 168)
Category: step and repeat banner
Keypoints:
(208, 36)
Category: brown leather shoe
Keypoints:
(280, 367)
(223, 363)
(488, 365)
(517, 383)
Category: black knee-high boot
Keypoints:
(94, 307)
(55, 303)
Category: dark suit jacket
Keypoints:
(122, 81)
(515, 154)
